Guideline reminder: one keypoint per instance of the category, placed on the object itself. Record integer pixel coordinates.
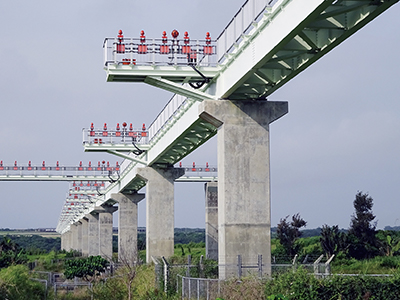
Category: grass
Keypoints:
(31, 232)
(377, 265)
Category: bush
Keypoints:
(300, 285)
(15, 284)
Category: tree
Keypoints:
(11, 253)
(129, 261)
(87, 268)
(331, 240)
(361, 235)
(288, 233)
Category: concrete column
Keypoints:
(127, 226)
(62, 247)
(105, 231)
(85, 237)
(93, 233)
(211, 189)
(74, 237)
(68, 235)
(79, 236)
(159, 210)
(64, 241)
(244, 213)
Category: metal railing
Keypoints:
(175, 106)
(57, 170)
(121, 135)
(142, 51)
(243, 21)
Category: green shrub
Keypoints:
(299, 285)
(15, 284)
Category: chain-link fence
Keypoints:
(198, 280)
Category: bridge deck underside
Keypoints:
(121, 73)
(328, 26)
(192, 138)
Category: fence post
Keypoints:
(183, 288)
(188, 266)
(259, 262)
(239, 257)
(201, 267)
(328, 265)
(294, 263)
(165, 275)
(316, 264)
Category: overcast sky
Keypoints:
(341, 134)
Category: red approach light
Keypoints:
(175, 33)
(118, 132)
(180, 164)
(130, 127)
(91, 126)
(194, 167)
(105, 130)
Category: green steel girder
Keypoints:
(327, 27)
(188, 141)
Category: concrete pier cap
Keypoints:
(244, 209)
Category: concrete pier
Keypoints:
(93, 233)
(105, 230)
(79, 237)
(244, 214)
(85, 237)
(211, 191)
(74, 237)
(66, 241)
(159, 210)
(127, 226)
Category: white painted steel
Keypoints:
(284, 17)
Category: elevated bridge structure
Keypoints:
(220, 86)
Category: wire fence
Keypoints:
(199, 280)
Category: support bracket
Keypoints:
(138, 160)
(178, 88)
